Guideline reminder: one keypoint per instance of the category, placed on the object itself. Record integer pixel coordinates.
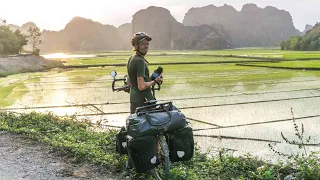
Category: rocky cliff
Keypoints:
(307, 28)
(81, 34)
(168, 33)
(250, 27)
(208, 27)
(24, 28)
(125, 34)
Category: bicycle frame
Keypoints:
(161, 137)
(125, 86)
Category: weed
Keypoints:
(307, 164)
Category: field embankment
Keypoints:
(25, 63)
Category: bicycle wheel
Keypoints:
(165, 174)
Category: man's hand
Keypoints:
(159, 79)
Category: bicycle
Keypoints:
(151, 107)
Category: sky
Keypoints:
(55, 14)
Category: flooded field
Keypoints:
(243, 109)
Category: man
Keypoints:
(138, 72)
(139, 77)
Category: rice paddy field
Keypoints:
(230, 105)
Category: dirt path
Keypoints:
(22, 158)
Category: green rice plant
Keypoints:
(16, 93)
(302, 55)
(13, 87)
(291, 64)
(97, 60)
(4, 93)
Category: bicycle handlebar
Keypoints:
(125, 87)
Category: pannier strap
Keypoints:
(152, 107)
(154, 124)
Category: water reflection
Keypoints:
(67, 56)
(235, 104)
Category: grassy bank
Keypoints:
(82, 141)
(5, 74)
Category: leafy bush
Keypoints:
(310, 41)
(66, 135)
(10, 42)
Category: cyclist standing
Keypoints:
(138, 72)
(139, 75)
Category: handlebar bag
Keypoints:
(154, 123)
(181, 144)
(143, 152)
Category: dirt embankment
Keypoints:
(26, 63)
(22, 158)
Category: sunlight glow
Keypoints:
(67, 56)
(119, 12)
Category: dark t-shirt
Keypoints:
(137, 67)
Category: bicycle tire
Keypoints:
(166, 164)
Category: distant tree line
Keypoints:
(309, 42)
(12, 43)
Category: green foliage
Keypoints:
(225, 166)
(67, 135)
(22, 38)
(295, 43)
(35, 39)
(10, 42)
(79, 139)
(308, 165)
(310, 41)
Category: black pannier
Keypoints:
(181, 144)
(154, 123)
(143, 153)
(121, 141)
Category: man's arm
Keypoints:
(142, 85)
